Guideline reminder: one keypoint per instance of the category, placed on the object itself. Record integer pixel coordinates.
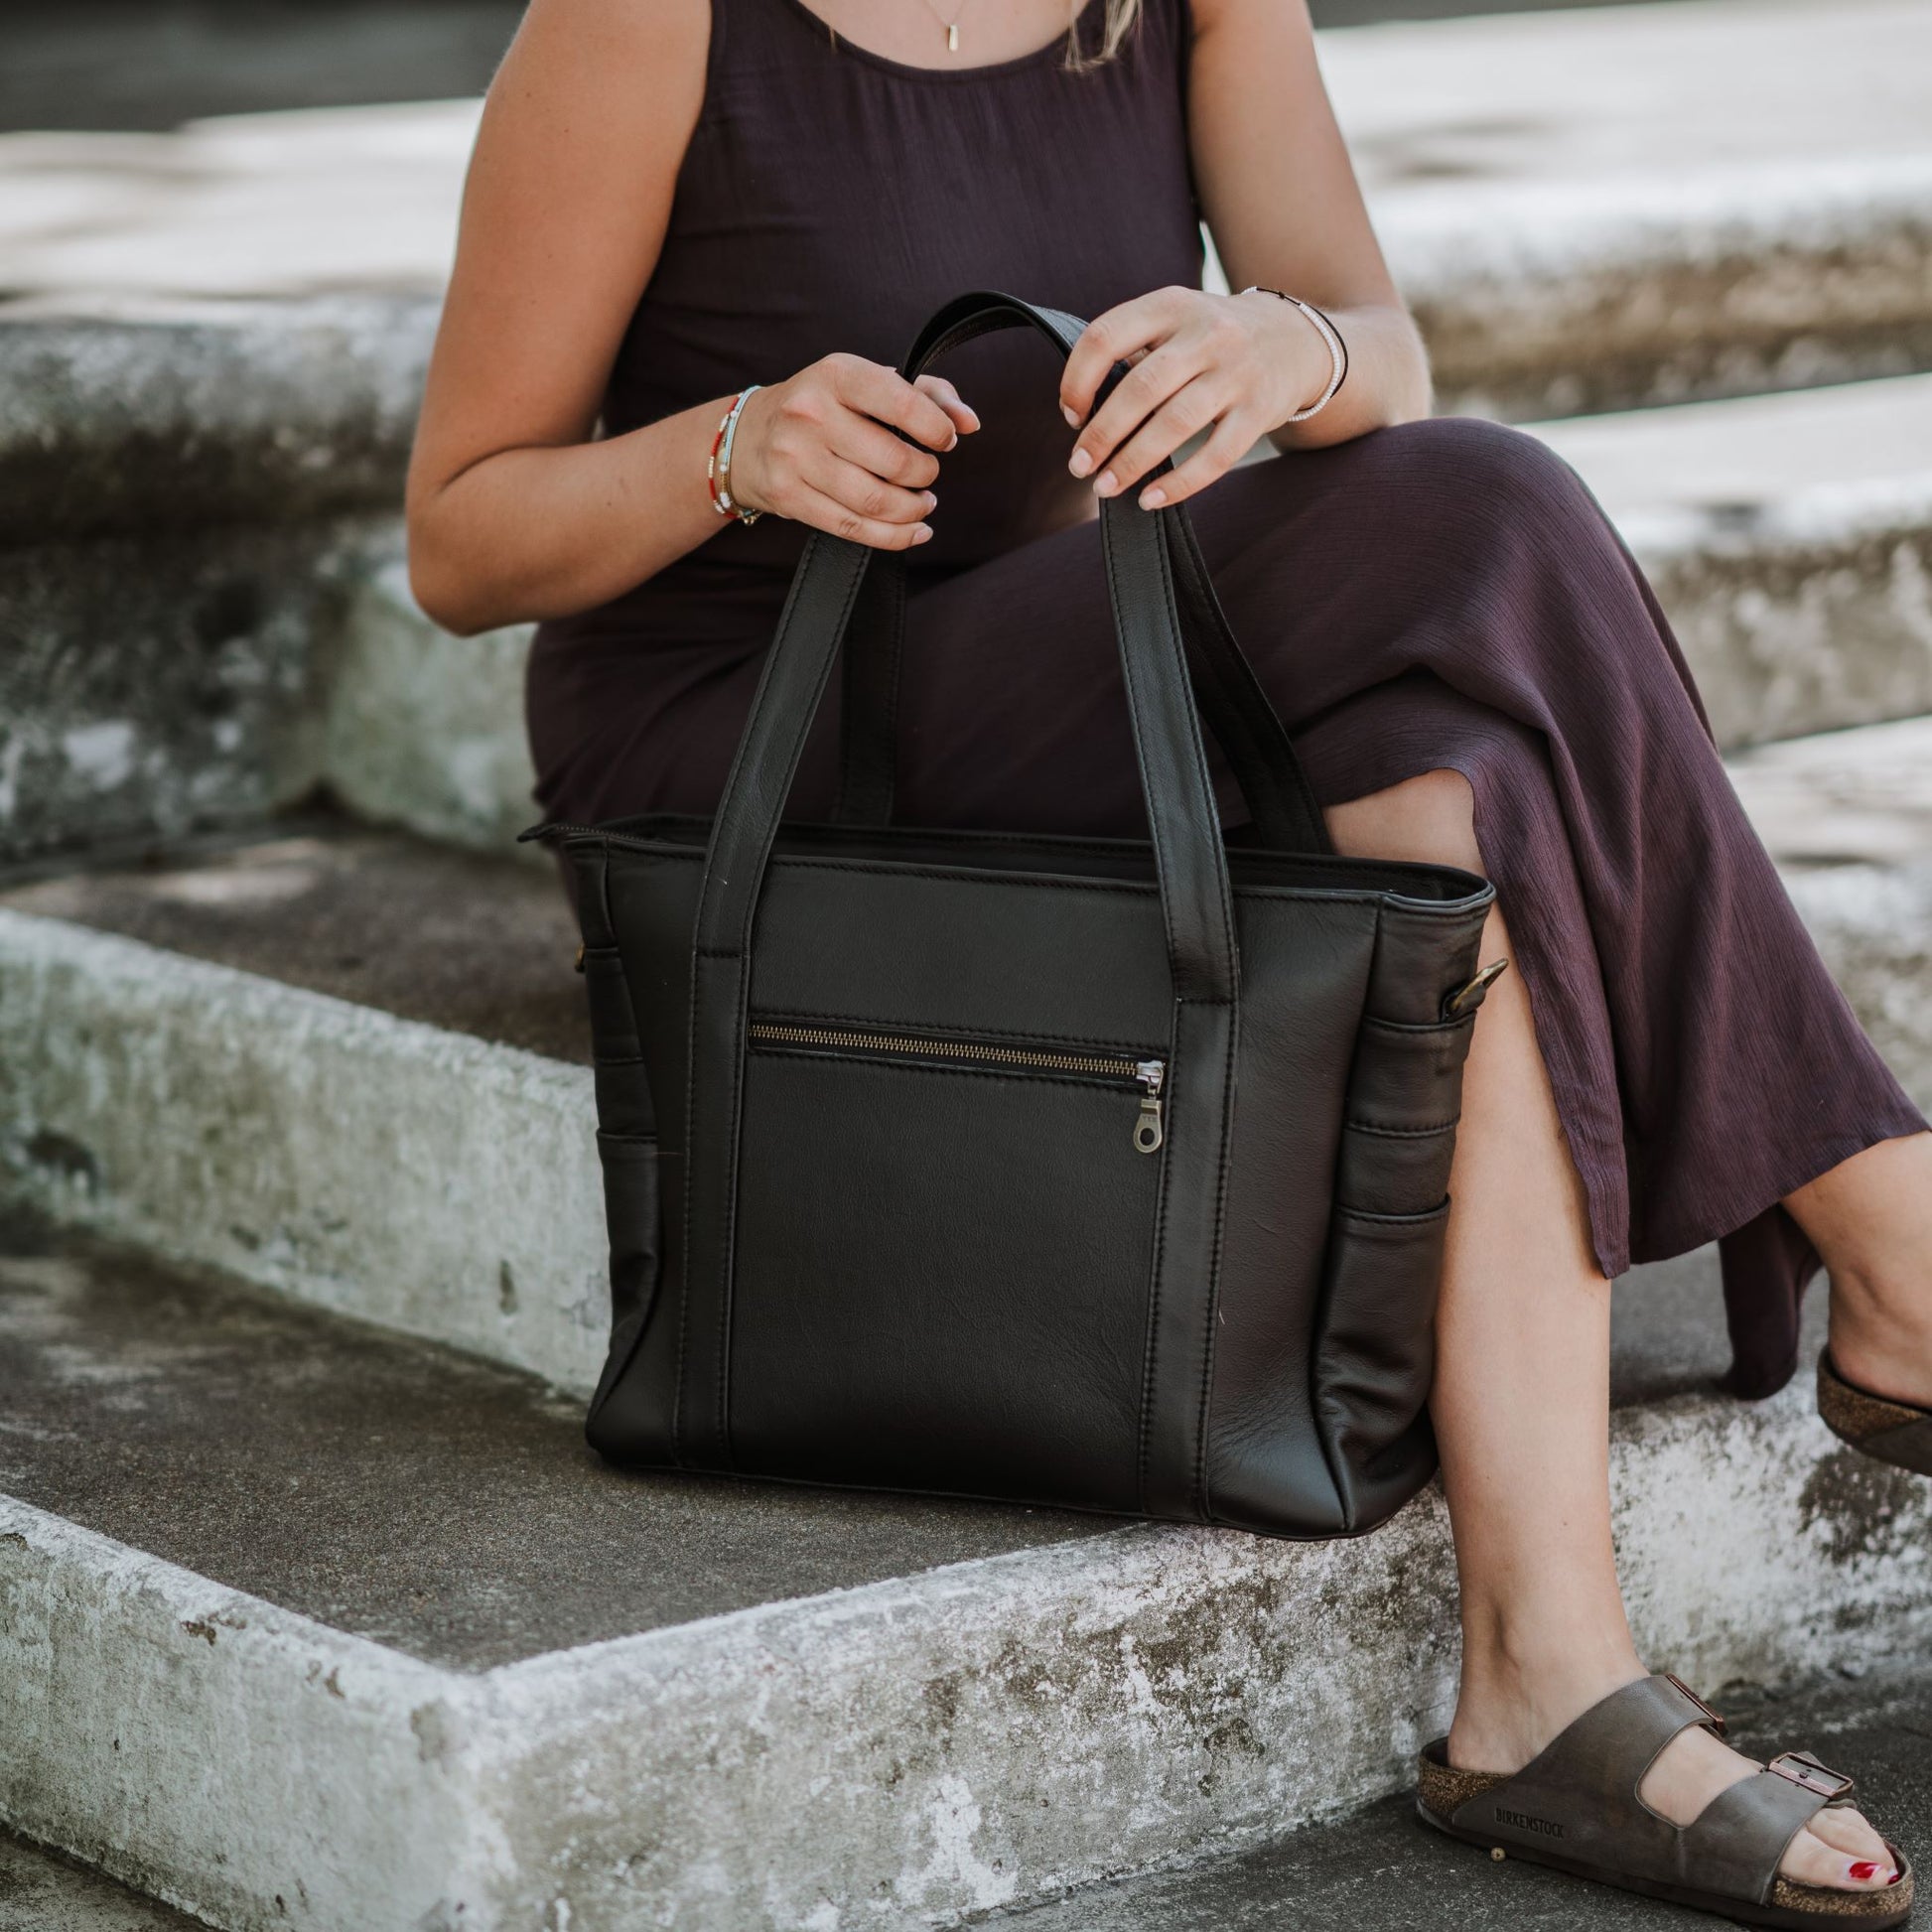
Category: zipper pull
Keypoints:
(1148, 1134)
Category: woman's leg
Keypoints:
(1870, 1218)
(1521, 1400)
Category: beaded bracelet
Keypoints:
(718, 468)
(1332, 338)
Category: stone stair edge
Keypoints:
(128, 412)
(901, 1753)
(315, 1119)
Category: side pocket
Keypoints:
(1375, 1355)
(633, 1220)
(1405, 1091)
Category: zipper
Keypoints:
(1148, 1075)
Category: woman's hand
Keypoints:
(817, 449)
(1240, 363)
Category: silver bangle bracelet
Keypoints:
(719, 467)
(1332, 338)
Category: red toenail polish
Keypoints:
(1863, 1869)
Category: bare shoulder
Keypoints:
(1279, 22)
(581, 61)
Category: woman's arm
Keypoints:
(1283, 204)
(513, 511)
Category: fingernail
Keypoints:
(1080, 463)
(1152, 498)
(930, 499)
(1071, 414)
(921, 532)
(974, 413)
(1864, 1871)
(1106, 484)
(955, 439)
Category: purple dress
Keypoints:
(1441, 595)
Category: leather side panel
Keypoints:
(1304, 973)
(1376, 1358)
(631, 1221)
(1374, 1349)
(650, 905)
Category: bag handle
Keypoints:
(1232, 701)
(1198, 911)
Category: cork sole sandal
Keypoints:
(1575, 1808)
(1891, 1432)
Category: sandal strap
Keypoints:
(1737, 1843)
(1580, 1792)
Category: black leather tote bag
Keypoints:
(1092, 1173)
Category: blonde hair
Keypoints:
(1121, 18)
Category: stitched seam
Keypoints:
(1161, 867)
(996, 877)
(1199, 771)
(1399, 1133)
(1371, 1215)
(1325, 1300)
(1214, 1271)
(992, 1035)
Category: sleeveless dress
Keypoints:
(1441, 595)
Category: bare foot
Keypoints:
(1839, 1850)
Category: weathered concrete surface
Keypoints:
(1639, 205)
(1384, 1870)
(466, 943)
(1789, 539)
(1593, 209)
(393, 1490)
(1861, 799)
(42, 1891)
(141, 414)
(150, 686)
(894, 1754)
(426, 729)
(435, 1183)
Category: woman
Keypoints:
(670, 200)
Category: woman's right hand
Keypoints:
(817, 449)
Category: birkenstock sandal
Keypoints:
(1574, 1807)
(1893, 1431)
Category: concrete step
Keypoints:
(42, 1891)
(1383, 1870)
(363, 1117)
(1589, 207)
(314, 1628)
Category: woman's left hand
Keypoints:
(1242, 364)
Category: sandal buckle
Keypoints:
(1805, 1771)
(1715, 1719)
